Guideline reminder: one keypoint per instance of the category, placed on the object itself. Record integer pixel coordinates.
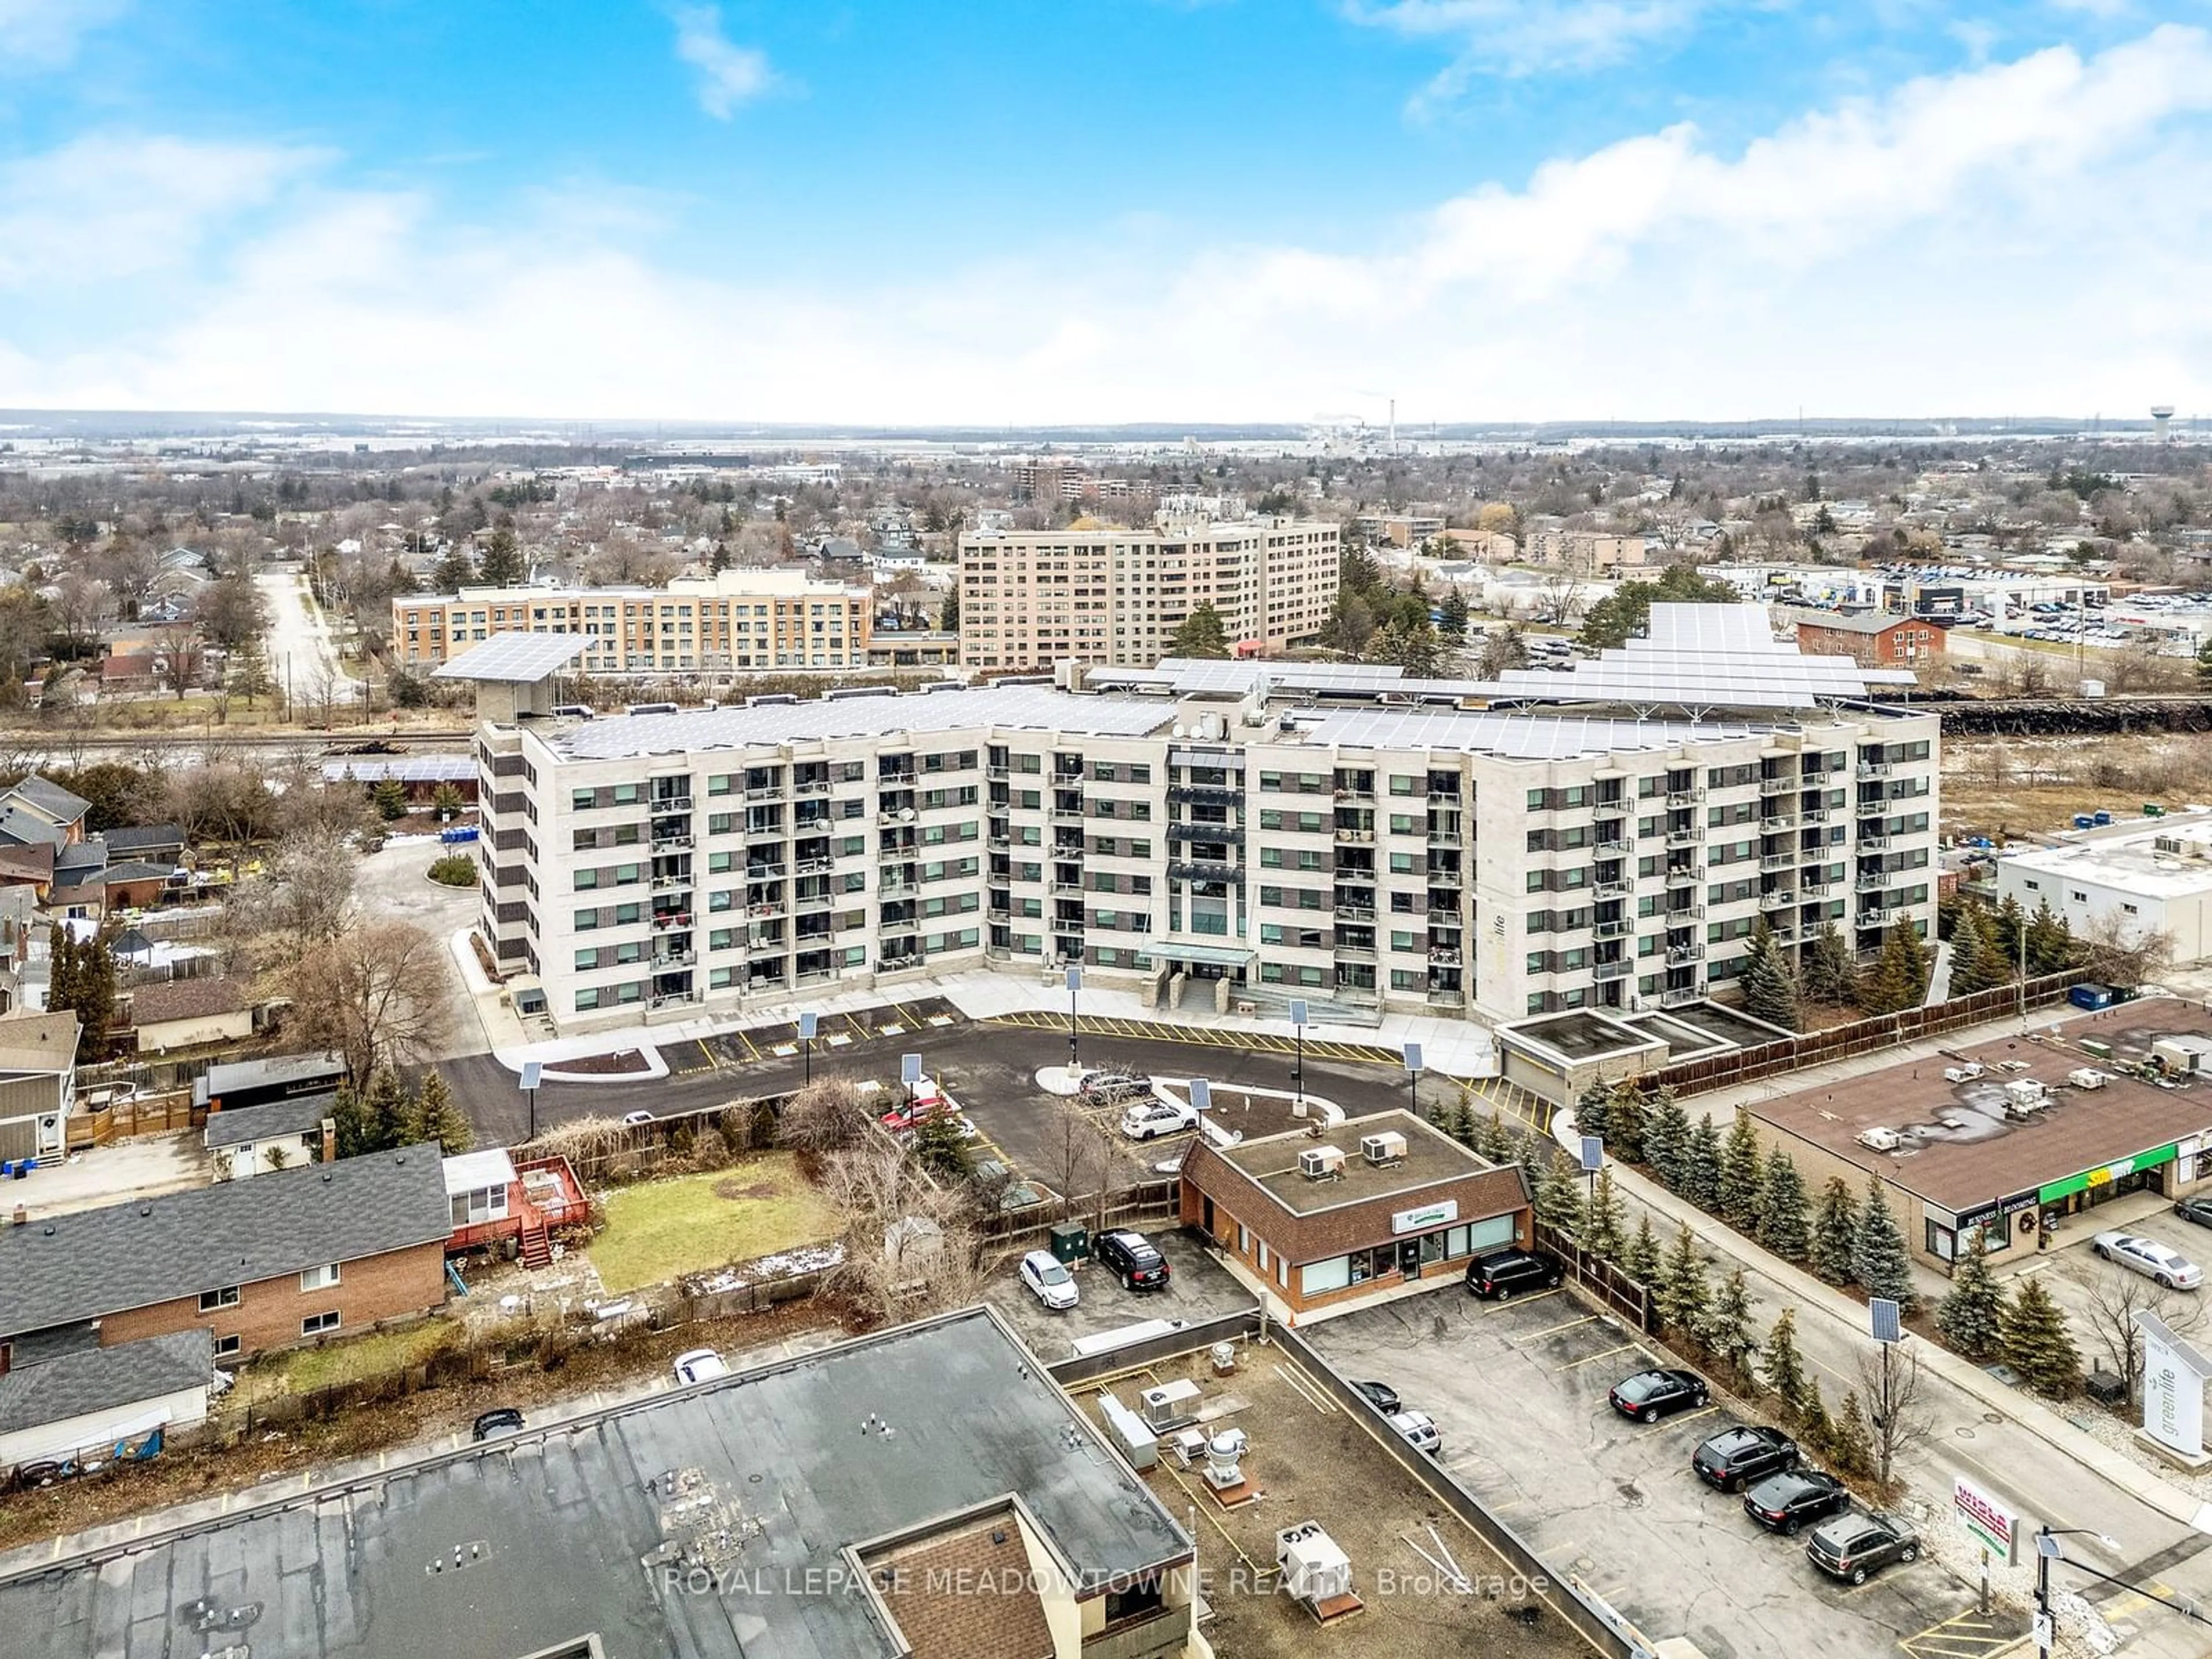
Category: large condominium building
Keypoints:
(1232, 832)
(734, 620)
(1030, 599)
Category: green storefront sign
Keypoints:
(2104, 1177)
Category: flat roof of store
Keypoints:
(1271, 1163)
(1961, 1151)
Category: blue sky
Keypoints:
(1106, 210)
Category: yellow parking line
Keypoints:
(1587, 1357)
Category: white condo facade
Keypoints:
(1238, 832)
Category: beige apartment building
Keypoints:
(1584, 551)
(736, 619)
(1030, 599)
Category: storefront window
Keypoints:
(1317, 1277)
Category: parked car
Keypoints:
(495, 1424)
(1148, 1118)
(631, 1120)
(1381, 1397)
(1110, 1086)
(1650, 1395)
(2198, 1210)
(1501, 1272)
(1852, 1545)
(1735, 1458)
(2149, 1258)
(1013, 1192)
(1786, 1502)
(700, 1365)
(1132, 1259)
(1419, 1429)
(1048, 1280)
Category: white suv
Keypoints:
(1157, 1117)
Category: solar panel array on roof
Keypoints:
(1028, 708)
(408, 769)
(515, 659)
(1510, 736)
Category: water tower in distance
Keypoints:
(2161, 417)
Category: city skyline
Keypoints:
(1667, 210)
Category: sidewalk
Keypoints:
(1457, 1048)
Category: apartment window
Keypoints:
(318, 1324)
(319, 1279)
(226, 1297)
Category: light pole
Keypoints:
(1414, 1077)
(2046, 1552)
(1299, 1065)
(1074, 985)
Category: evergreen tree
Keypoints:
(2050, 940)
(389, 796)
(1814, 1430)
(1970, 952)
(1682, 1292)
(1666, 1139)
(1558, 1193)
(503, 565)
(1597, 1220)
(83, 979)
(1830, 975)
(2007, 926)
(2036, 1342)
(1971, 1315)
(454, 571)
(249, 676)
(1898, 978)
(1835, 1233)
(1454, 625)
(437, 1118)
(1770, 987)
(1850, 1447)
(1782, 1226)
(1739, 1175)
(1782, 1365)
(1639, 1254)
(1627, 1118)
(1726, 1329)
(1201, 633)
(1701, 1166)
(1591, 1109)
(1493, 1141)
(938, 1148)
(391, 1113)
(1878, 1258)
(2204, 666)
(1534, 1155)
(61, 969)
(357, 1127)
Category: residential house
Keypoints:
(46, 801)
(80, 889)
(38, 1086)
(134, 884)
(241, 1145)
(301, 1253)
(88, 1400)
(496, 1200)
(1874, 639)
(187, 1013)
(257, 1082)
(154, 844)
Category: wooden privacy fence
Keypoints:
(1629, 1298)
(148, 1114)
(1150, 1201)
(1861, 1036)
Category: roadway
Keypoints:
(302, 653)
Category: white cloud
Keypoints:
(44, 34)
(1524, 37)
(729, 75)
(2026, 236)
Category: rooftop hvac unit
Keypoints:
(1382, 1148)
(1321, 1163)
(1225, 1456)
(1313, 1568)
(1880, 1140)
(1169, 1404)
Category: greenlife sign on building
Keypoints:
(2111, 1172)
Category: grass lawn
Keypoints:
(661, 1230)
(304, 1370)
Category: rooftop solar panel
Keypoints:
(515, 659)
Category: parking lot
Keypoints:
(1197, 1291)
(1518, 1392)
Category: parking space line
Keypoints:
(1553, 1330)
(1701, 1411)
(1601, 1354)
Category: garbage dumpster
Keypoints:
(1071, 1241)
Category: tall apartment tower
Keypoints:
(1030, 599)
(1605, 838)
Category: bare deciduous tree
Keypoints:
(2122, 952)
(828, 1114)
(1898, 1416)
(2113, 1301)
(911, 1248)
(376, 994)
(303, 895)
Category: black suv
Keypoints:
(1733, 1458)
(1783, 1502)
(1502, 1273)
(499, 1421)
(1134, 1260)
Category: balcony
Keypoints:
(1780, 896)
(999, 913)
(1872, 770)
(814, 866)
(812, 787)
(1687, 875)
(674, 959)
(1346, 835)
(1871, 920)
(1774, 823)
(1677, 995)
(1681, 953)
(1444, 959)
(1872, 881)
(1780, 786)
(1604, 890)
(999, 774)
(1815, 815)
(1615, 849)
(895, 815)
(1814, 889)
(1356, 952)
(1873, 843)
(1067, 887)
(1781, 860)
(1067, 814)
(1612, 970)
(1204, 795)
(674, 841)
(1612, 930)
(1355, 913)
(814, 903)
(671, 804)
(1444, 998)
(765, 792)
(669, 884)
(1444, 837)
(1689, 837)
(1685, 797)
(1682, 914)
